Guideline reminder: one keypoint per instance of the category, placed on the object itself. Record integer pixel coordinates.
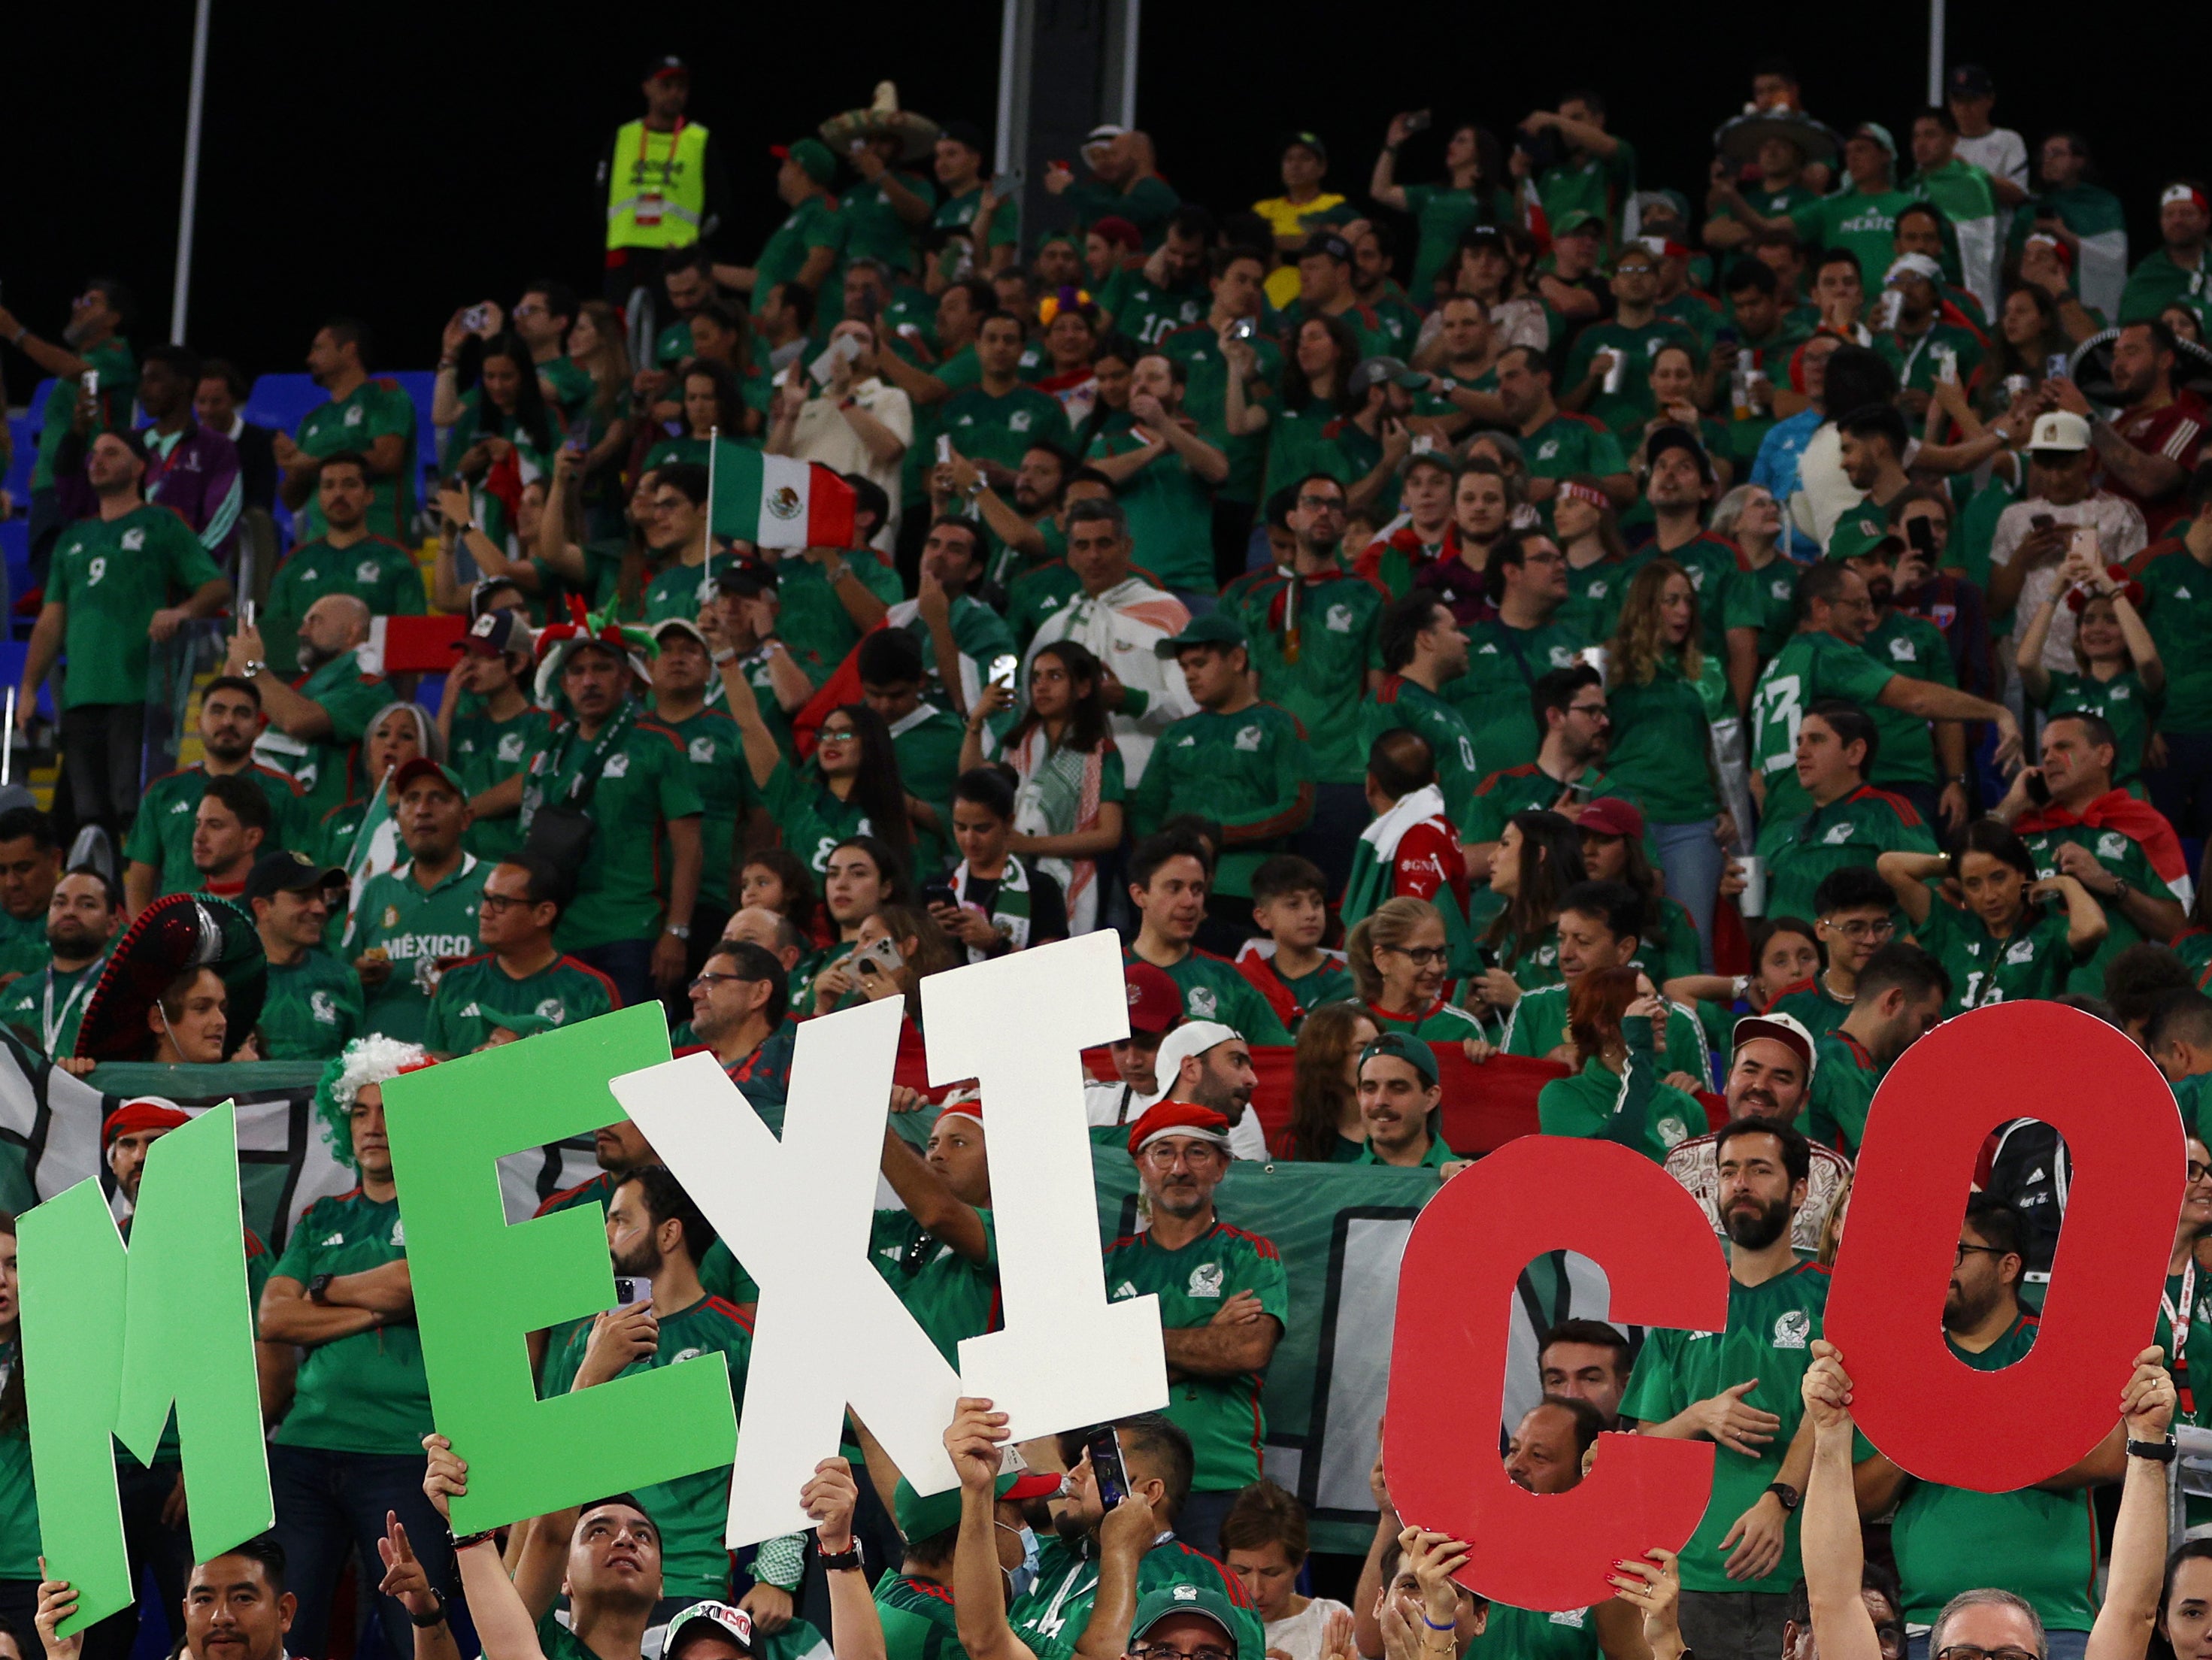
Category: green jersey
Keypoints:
(1442, 1022)
(1337, 617)
(917, 1618)
(19, 1539)
(1205, 400)
(322, 767)
(1148, 314)
(812, 620)
(1918, 363)
(814, 223)
(691, 1511)
(45, 1006)
(161, 834)
(2118, 853)
(980, 636)
(1589, 183)
(313, 1008)
(1503, 664)
(478, 997)
(1170, 509)
(1538, 1026)
(1862, 222)
(1764, 599)
(1660, 754)
(2161, 281)
(679, 590)
(23, 946)
(111, 360)
(381, 574)
(2178, 611)
(643, 783)
(1813, 666)
(486, 752)
(957, 212)
(1844, 1077)
(873, 227)
(948, 1296)
(2033, 961)
(1947, 1539)
(927, 741)
(1000, 427)
(1624, 411)
(1710, 564)
(421, 931)
(1809, 1002)
(1630, 1107)
(1212, 990)
(1595, 593)
(1221, 1415)
(807, 811)
(1770, 1333)
(372, 410)
(1251, 772)
(1854, 830)
(1511, 1634)
(113, 574)
(1050, 1616)
(1444, 213)
(2121, 702)
(717, 754)
(1399, 701)
(366, 1393)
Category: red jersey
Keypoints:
(2175, 430)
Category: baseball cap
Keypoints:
(1155, 1001)
(2042, 239)
(967, 133)
(1178, 1118)
(1216, 629)
(721, 1618)
(1859, 534)
(2173, 193)
(1609, 815)
(289, 871)
(924, 1515)
(2058, 430)
(1171, 1602)
(1972, 81)
(743, 578)
(669, 68)
(1879, 133)
(1675, 436)
(424, 767)
(1399, 1046)
(1117, 230)
(1191, 1038)
(1576, 221)
(1104, 133)
(494, 635)
(145, 1112)
(1309, 140)
(1786, 1029)
(1326, 242)
(1913, 265)
(812, 156)
(1489, 235)
(682, 625)
(1370, 370)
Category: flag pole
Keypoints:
(706, 565)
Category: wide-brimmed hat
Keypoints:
(917, 134)
(184, 931)
(1739, 140)
(557, 641)
(2093, 367)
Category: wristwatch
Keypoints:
(318, 1288)
(2119, 888)
(680, 930)
(252, 667)
(844, 1561)
(1787, 1494)
(2159, 1452)
(435, 1617)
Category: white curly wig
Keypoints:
(374, 1060)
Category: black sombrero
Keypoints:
(184, 931)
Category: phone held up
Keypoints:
(1108, 1467)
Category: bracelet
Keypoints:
(23, 332)
(1450, 1625)
(462, 1542)
(435, 1617)
(727, 654)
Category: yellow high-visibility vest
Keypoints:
(657, 188)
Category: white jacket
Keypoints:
(1120, 627)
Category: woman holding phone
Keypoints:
(2120, 678)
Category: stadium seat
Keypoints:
(23, 436)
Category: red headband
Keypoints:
(135, 1116)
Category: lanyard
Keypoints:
(2178, 1318)
(49, 1027)
(668, 162)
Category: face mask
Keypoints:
(1022, 1577)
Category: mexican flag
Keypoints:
(774, 501)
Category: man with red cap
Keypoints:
(1224, 1303)
(1155, 1008)
(1769, 1076)
(155, 1531)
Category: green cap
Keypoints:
(812, 156)
(1879, 133)
(1398, 1046)
(1859, 532)
(926, 1516)
(1220, 629)
(1576, 219)
(1169, 1601)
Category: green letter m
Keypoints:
(112, 1340)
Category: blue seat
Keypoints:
(23, 434)
(280, 400)
(420, 384)
(12, 654)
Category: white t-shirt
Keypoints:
(2000, 152)
(1299, 1636)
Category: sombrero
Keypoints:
(2093, 367)
(557, 640)
(184, 931)
(917, 134)
(1739, 139)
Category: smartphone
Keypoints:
(1004, 667)
(938, 893)
(246, 612)
(1418, 120)
(90, 381)
(944, 449)
(843, 350)
(578, 442)
(1108, 1467)
(1242, 329)
(629, 1293)
(882, 957)
(475, 317)
(2057, 366)
(2038, 791)
(2084, 541)
(1920, 536)
(1724, 336)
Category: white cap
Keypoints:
(2058, 430)
(1783, 1029)
(1104, 133)
(2173, 193)
(1916, 265)
(1192, 1037)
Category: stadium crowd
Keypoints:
(1676, 646)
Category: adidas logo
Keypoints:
(335, 1239)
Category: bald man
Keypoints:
(315, 721)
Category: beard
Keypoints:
(1757, 1229)
(312, 656)
(1881, 590)
(642, 1263)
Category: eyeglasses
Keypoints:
(2199, 1172)
(1165, 1154)
(1422, 956)
(703, 978)
(1205, 1651)
(498, 902)
(529, 308)
(1316, 504)
(1969, 1651)
(1863, 929)
(1553, 557)
(1595, 711)
(838, 735)
(1957, 1257)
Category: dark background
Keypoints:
(398, 161)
